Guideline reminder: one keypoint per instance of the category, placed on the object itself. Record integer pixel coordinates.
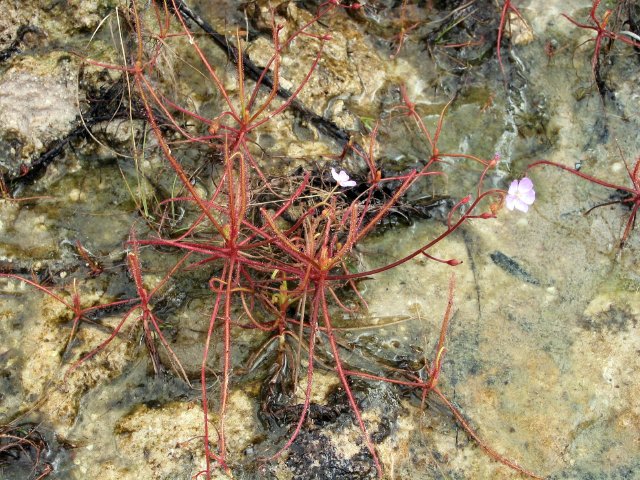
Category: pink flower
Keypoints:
(520, 195)
(342, 178)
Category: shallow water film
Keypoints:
(319, 240)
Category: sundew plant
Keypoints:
(260, 213)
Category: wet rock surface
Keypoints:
(542, 350)
(38, 104)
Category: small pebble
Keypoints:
(74, 195)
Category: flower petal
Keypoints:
(520, 205)
(527, 196)
(525, 185)
(513, 188)
(342, 178)
(510, 201)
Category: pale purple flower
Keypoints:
(520, 195)
(342, 178)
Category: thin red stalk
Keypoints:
(226, 362)
(296, 92)
(284, 242)
(600, 27)
(345, 383)
(174, 163)
(102, 345)
(339, 302)
(630, 223)
(175, 124)
(203, 382)
(147, 315)
(275, 29)
(388, 205)
(174, 358)
(437, 364)
(254, 322)
(313, 322)
(583, 175)
(330, 5)
(431, 386)
(446, 233)
(503, 20)
(212, 73)
(488, 450)
(78, 311)
(38, 286)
